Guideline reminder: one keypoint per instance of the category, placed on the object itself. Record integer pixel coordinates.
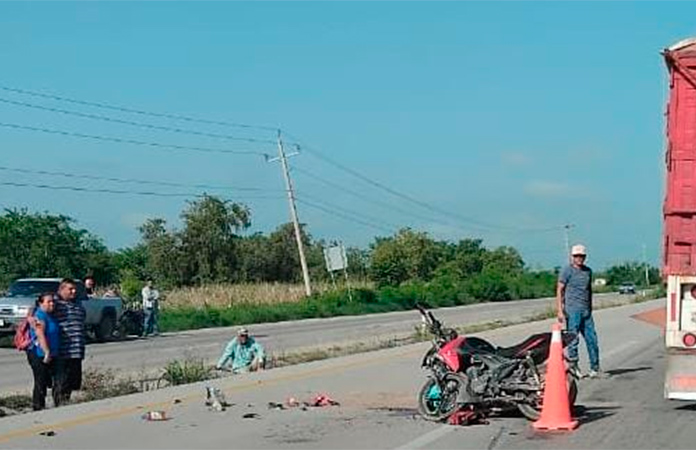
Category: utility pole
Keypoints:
(645, 264)
(566, 229)
(282, 157)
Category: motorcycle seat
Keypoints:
(519, 350)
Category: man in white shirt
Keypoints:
(150, 309)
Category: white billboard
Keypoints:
(335, 258)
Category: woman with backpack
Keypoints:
(44, 333)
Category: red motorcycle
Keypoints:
(470, 371)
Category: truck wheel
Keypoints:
(105, 329)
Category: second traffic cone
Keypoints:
(555, 412)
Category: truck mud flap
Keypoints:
(680, 375)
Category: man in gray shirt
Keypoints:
(574, 305)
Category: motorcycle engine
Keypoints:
(478, 379)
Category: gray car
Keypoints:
(627, 288)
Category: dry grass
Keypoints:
(99, 383)
(226, 295)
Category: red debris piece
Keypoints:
(324, 400)
(467, 416)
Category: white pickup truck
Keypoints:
(103, 314)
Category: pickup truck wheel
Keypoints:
(105, 329)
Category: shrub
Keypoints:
(190, 370)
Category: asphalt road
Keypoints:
(377, 395)
(142, 356)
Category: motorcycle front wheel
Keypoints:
(438, 401)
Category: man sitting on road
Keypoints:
(246, 354)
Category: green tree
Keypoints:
(358, 262)
(504, 260)
(469, 257)
(632, 272)
(132, 260)
(209, 237)
(408, 255)
(166, 261)
(285, 259)
(45, 245)
(255, 259)
(204, 251)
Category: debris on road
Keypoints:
(215, 399)
(274, 405)
(467, 416)
(319, 401)
(155, 416)
(176, 401)
(251, 416)
(322, 400)
(49, 433)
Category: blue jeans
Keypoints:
(150, 321)
(581, 322)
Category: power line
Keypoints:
(135, 124)
(352, 212)
(128, 141)
(379, 203)
(413, 200)
(359, 195)
(136, 111)
(343, 216)
(116, 191)
(130, 180)
(367, 199)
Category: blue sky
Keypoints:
(520, 115)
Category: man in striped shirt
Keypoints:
(70, 315)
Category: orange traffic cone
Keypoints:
(555, 412)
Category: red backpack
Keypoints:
(22, 338)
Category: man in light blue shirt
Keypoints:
(246, 354)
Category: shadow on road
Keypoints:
(615, 372)
(689, 407)
(591, 414)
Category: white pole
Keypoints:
(293, 215)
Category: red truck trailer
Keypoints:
(679, 222)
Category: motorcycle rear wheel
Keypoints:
(533, 412)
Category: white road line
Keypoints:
(428, 438)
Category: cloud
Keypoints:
(515, 159)
(545, 188)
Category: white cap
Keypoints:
(578, 250)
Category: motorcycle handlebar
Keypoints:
(434, 325)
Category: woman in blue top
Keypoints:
(45, 345)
